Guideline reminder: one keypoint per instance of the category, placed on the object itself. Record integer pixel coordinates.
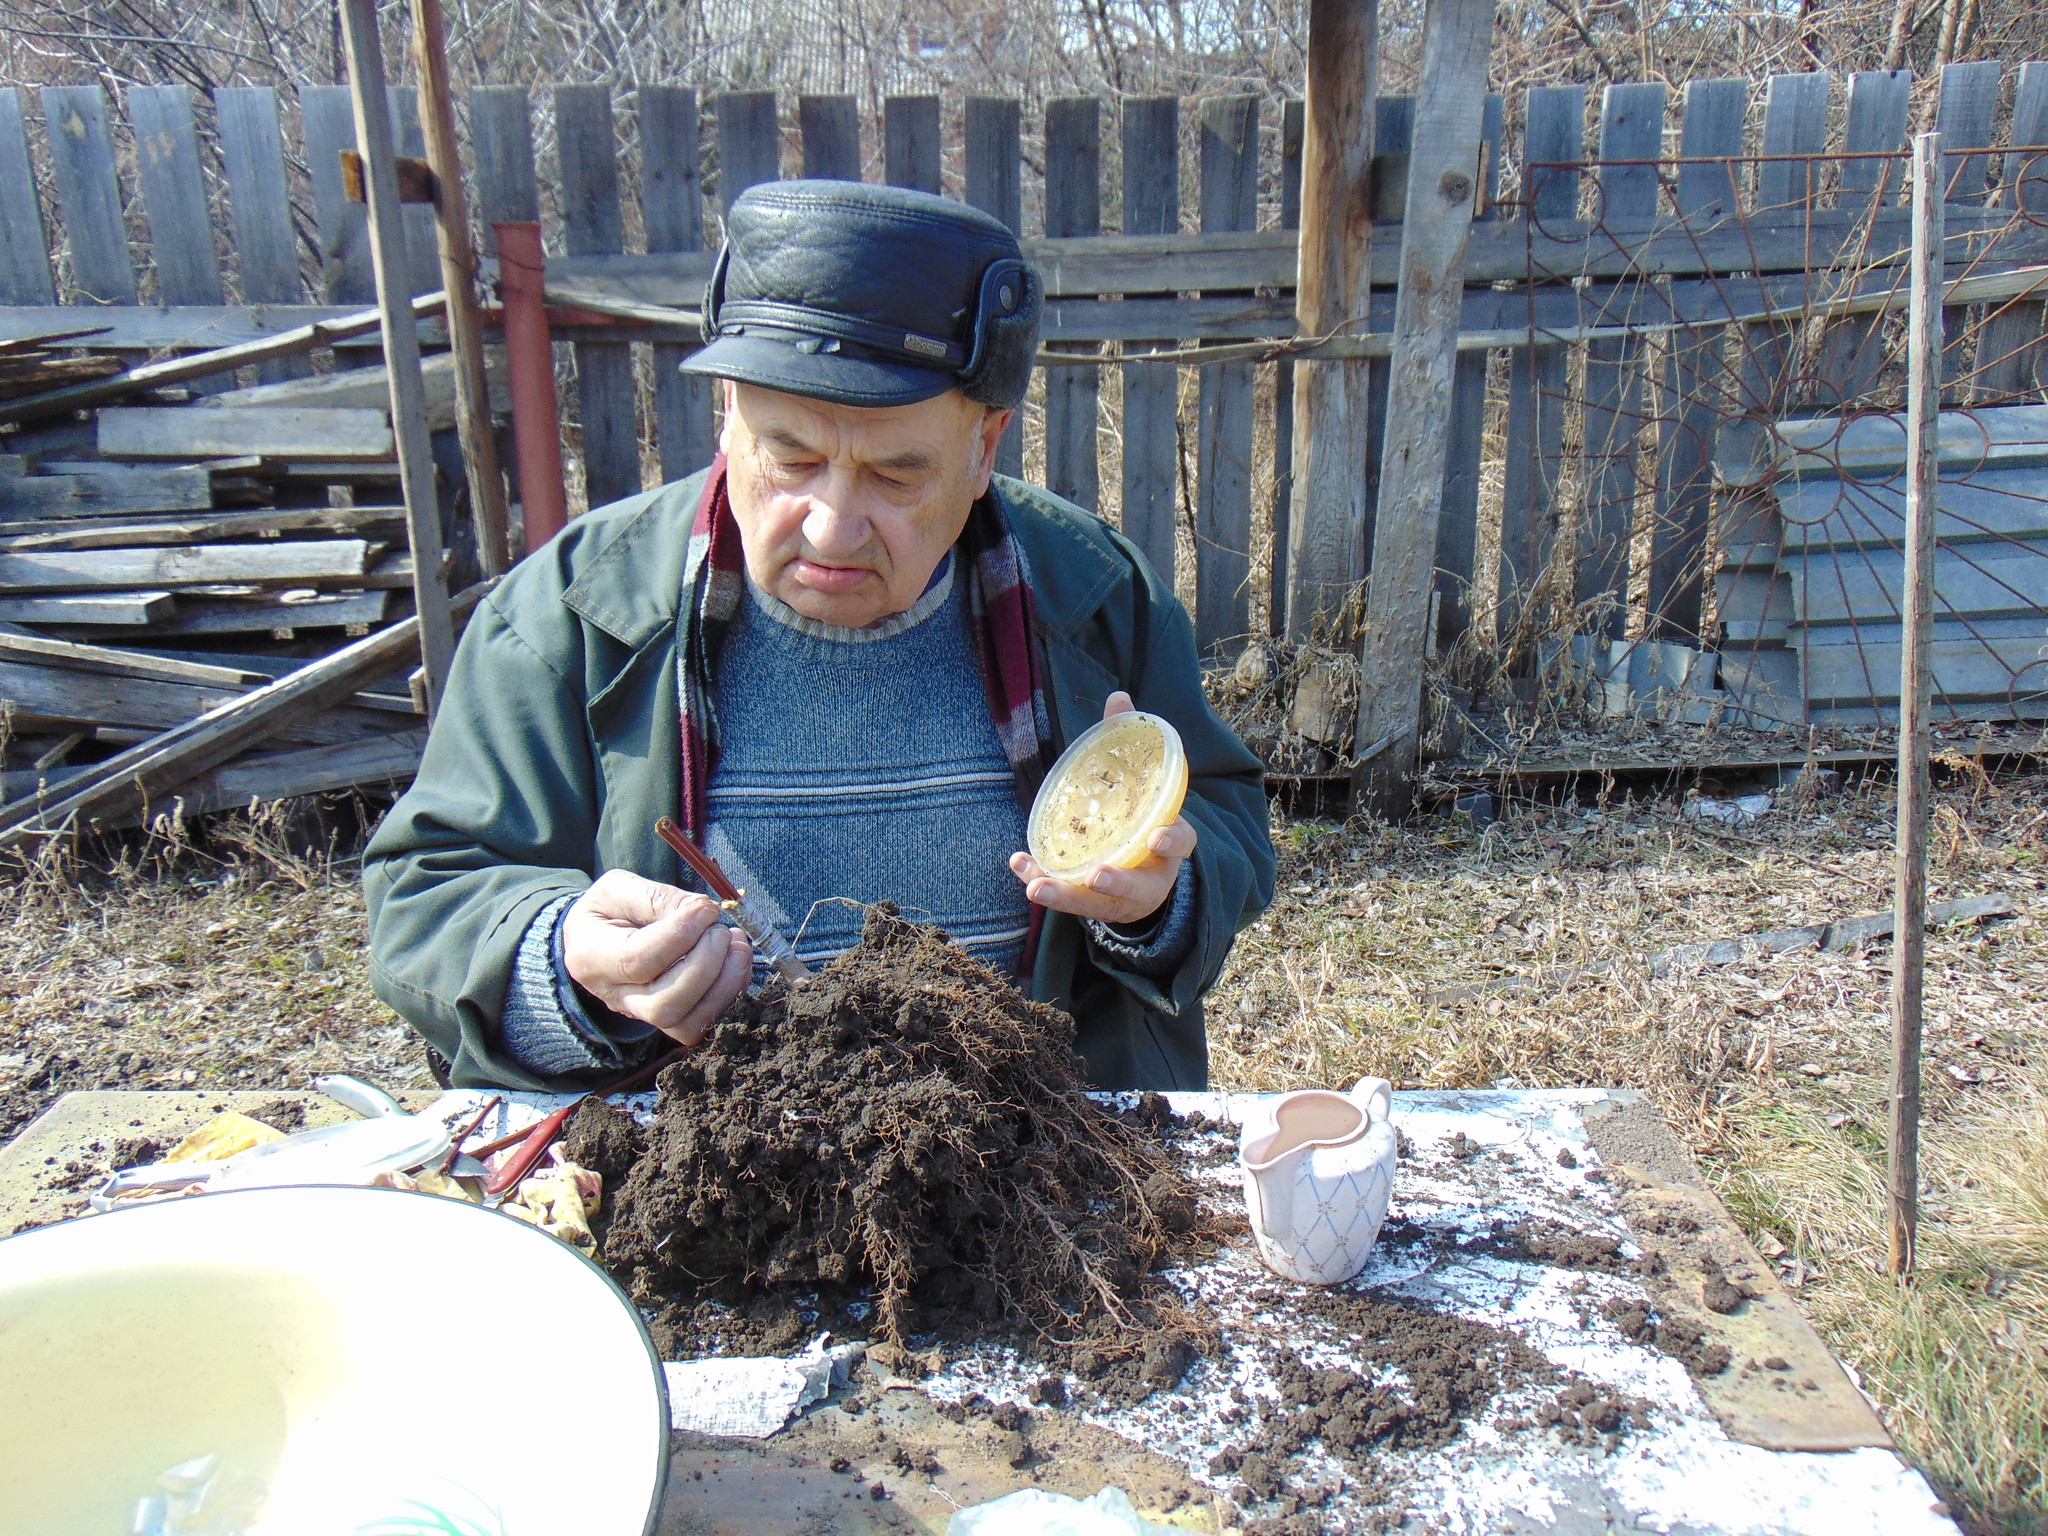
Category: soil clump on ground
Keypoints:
(906, 1125)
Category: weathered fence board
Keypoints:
(1706, 189)
(2010, 349)
(501, 138)
(911, 146)
(830, 126)
(1073, 206)
(259, 202)
(174, 194)
(1631, 130)
(1151, 456)
(1224, 416)
(1638, 242)
(995, 185)
(25, 276)
(672, 205)
(1293, 121)
(89, 193)
(1538, 374)
(593, 224)
(749, 143)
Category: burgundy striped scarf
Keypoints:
(1013, 667)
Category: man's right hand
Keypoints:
(655, 953)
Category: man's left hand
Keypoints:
(1124, 896)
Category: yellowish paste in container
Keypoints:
(1110, 791)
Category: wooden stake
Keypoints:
(401, 344)
(1437, 225)
(458, 277)
(1332, 289)
(1916, 605)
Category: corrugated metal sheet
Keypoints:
(1831, 598)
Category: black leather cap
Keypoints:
(868, 296)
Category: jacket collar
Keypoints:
(632, 586)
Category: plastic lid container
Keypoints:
(1110, 791)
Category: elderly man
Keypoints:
(842, 657)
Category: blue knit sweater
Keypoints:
(854, 766)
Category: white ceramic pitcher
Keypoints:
(1318, 1173)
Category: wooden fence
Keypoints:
(1159, 224)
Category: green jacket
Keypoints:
(557, 746)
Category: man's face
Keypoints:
(845, 513)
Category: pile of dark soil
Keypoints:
(905, 1122)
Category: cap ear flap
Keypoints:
(1005, 336)
(714, 295)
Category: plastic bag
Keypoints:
(1034, 1512)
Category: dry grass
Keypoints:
(231, 963)
(239, 964)
(1774, 1072)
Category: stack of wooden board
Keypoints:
(159, 561)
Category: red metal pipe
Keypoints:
(530, 361)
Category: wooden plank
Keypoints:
(174, 194)
(259, 196)
(1332, 290)
(1393, 134)
(327, 121)
(122, 608)
(25, 275)
(1966, 119)
(178, 370)
(1631, 129)
(128, 781)
(749, 142)
(149, 328)
(261, 613)
(2010, 352)
(830, 126)
(1505, 250)
(1795, 123)
(85, 698)
(593, 224)
(672, 205)
(1457, 545)
(422, 253)
(370, 389)
(1879, 101)
(387, 759)
(1538, 375)
(1073, 206)
(201, 565)
(180, 432)
(1223, 454)
(1292, 126)
(1770, 381)
(995, 185)
(994, 158)
(910, 142)
(1436, 224)
(252, 149)
(221, 527)
(501, 138)
(89, 194)
(108, 491)
(1151, 456)
(1707, 190)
